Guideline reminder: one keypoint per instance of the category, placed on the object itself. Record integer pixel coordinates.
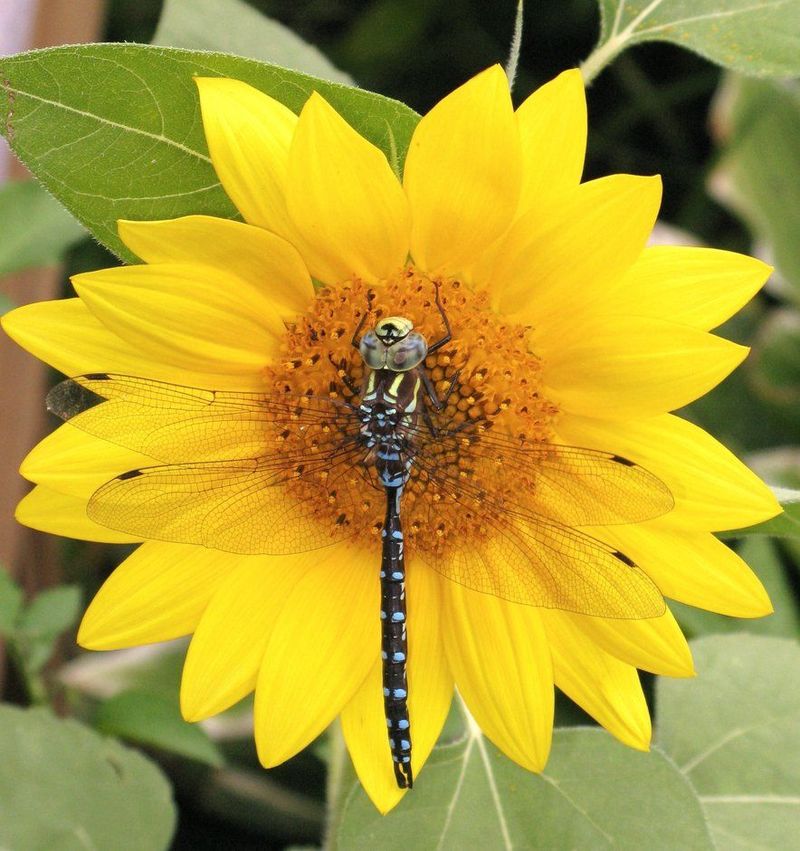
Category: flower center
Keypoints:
(489, 383)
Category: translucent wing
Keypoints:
(238, 506)
(523, 552)
(568, 484)
(237, 496)
(537, 563)
(175, 424)
(241, 471)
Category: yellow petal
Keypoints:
(694, 568)
(652, 644)
(73, 463)
(634, 367)
(500, 658)
(462, 174)
(609, 690)
(184, 314)
(552, 129)
(259, 258)
(60, 514)
(713, 489)
(701, 287)
(344, 199)
(550, 267)
(430, 689)
(228, 645)
(322, 646)
(66, 335)
(248, 135)
(156, 594)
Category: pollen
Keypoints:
(487, 378)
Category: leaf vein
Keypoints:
(757, 7)
(791, 800)
(577, 807)
(157, 137)
(730, 736)
(456, 792)
(498, 804)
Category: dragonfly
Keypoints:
(279, 472)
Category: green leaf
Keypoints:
(154, 668)
(65, 787)
(37, 230)
(763, 557)
(781, 466)
(786, 525)
(114, 131)
(232, 26)
(774, 364)
(51, 612)
(735, 733)
(594, 793)
(755, 37)
(41, 623)
(753, 117)
(151, 719)
(11, 598)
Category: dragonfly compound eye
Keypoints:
(408, 353)
(373, 351)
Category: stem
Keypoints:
(33, 684)
(516, 45)
(339, 779)
(602, 56)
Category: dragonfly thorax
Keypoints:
(393, 344)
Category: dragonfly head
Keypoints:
(393, 344)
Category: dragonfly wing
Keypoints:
(545, 564)
(528, 558)
(571, 484)
(238, 506)
(175, 424)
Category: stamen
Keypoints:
(487, 378)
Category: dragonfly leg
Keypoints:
(356, 339)
(344, 377)
(452, 387)
(438, 403)
(430, 390)
(426, 415)
(448, 336)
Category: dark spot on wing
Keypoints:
(131, 474)
(624, 559)
(68, 399)
(624, 461)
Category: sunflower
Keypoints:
(566, 330)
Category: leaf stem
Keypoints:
(516, 45)
(601, 56)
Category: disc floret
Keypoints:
(488, 375)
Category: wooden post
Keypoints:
(28, 555)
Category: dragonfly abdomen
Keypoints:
(394, 641)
